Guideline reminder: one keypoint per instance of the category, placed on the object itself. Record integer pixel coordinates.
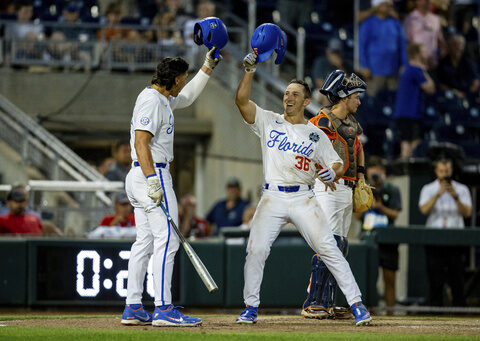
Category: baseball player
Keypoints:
(291, 147)
(339, 124)
(149, 182)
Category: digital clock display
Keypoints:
(83, 274)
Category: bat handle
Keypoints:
(165, 211)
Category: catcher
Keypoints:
(350, 193)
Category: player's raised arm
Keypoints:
(242, 99)
(193, 88)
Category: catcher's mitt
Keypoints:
(362, 196)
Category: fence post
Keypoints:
(300, 53)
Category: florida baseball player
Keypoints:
(149, 182)
(291, 146)
(341, 127)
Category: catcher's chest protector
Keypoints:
(345, 144)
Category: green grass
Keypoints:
(166, 334)
(44, 333)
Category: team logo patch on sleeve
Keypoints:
(144, 121)
(314, 137)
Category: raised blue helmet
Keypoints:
(211, 32)
(268, 38)
(338, 85)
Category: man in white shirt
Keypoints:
(149, 183)
(447, 203)
(291, 148)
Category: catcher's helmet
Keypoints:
(337, 85)
(212, 32)
(268, 38)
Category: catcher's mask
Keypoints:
(337, 85)
(211, 32)
(268, 38)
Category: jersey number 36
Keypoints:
(303, 163)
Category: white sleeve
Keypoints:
(325, 153)
(258, 126)
(424, 195)
(147, 116)
(464, 196)
(190, 91)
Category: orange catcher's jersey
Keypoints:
(344, 137)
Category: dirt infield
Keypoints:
(275, 323)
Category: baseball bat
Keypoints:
(196, 261)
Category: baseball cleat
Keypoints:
(317, 312)
(172, 317)
(362, 316)
(135, 315)
(342, 313)
(249, 315)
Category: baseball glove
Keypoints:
(362, 196)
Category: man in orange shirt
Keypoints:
(17, 221)
(339, 124)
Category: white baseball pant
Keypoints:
(154, 236)
(337, 206)
(274, 210)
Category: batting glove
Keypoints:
(327, 175)
(154, 190)
(210, 60)
(250, 62)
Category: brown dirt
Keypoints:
(272, 323)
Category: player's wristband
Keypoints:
(151, 175)
(360, 169)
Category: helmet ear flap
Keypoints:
(198, 34)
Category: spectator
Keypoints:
(382, 48)
(17, 221)
(167, 36)
(456, 72)
(67, 42)
(446, 203)
(112, 33)
(123, 216)
(386, 206)
(204, 9)
(24, 28)
(71, 31)
(190, 224)
(121, 152)
(366, 11)
(424, 28)
(333, 60)
(20, 187)
(228, 212)
(408, 112)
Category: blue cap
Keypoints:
(268, 38)
(211, 32)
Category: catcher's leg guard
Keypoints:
(323, 286)
(312, 306)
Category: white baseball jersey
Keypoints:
(153, 113)
(290, 151)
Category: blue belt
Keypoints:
(288, 188)
(158, 164)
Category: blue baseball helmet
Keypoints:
(211, 32)
(268, 38)
(338, 85)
